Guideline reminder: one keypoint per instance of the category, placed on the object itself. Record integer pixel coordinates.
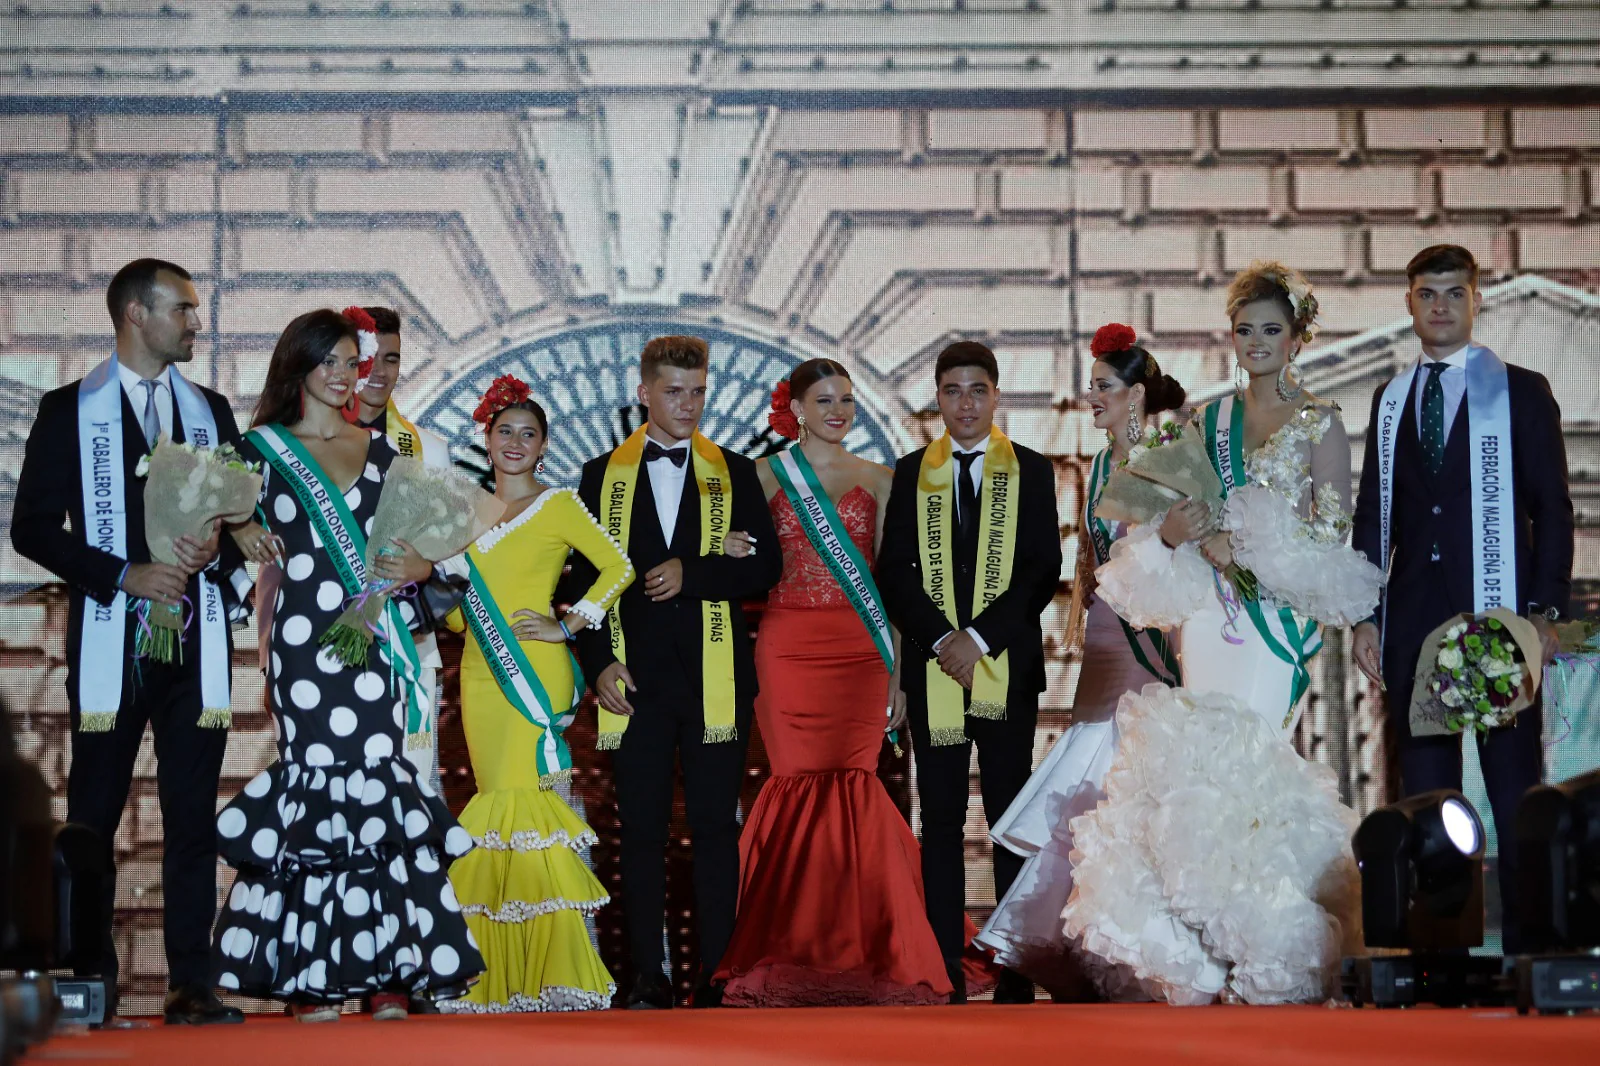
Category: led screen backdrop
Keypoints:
(538, 187)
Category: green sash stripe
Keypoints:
(1100, 537)
(338, 529)
(831, 539)
(519, 682)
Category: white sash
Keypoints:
(1494, 532)
(101, 653)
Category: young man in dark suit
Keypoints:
(683, 688)
(1453, 418)
(971, 616)
(106, 566)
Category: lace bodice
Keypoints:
(1287, 464)
(807, 581)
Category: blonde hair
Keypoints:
(1267, 279)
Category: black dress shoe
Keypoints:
(706, 994)
(199, 1006)
(650, 992)
(1012, 987)
(958, 981)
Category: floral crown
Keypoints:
(1111, 338)
(507, 390)
(366, 342)
(780, 418)
(1298, 289)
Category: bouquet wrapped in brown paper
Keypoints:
(187, 489)
(437, 511)
(1169, 466)
(1476, 672)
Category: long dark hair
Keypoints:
(808, 373)
(1136, 366)
(302, 347)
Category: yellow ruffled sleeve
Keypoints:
(584, 533)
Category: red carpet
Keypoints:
(975, 1035)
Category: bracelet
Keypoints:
(562, 622)
(123, 576)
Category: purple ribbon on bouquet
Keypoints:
(140, 609)
(1231, 606)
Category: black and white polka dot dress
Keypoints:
(342, 850)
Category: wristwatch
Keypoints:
(1549, 614)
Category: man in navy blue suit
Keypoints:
(1464, 502)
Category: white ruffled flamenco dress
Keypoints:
(1219, 862)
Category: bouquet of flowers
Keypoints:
(187, 488)
(437, 511)
(1475, 672)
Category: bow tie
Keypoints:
(676, 456)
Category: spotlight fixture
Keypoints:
(1421, 866)
(1558, 896)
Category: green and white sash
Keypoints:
(1151, 648)
(1291, 640)
(346, 545)
(519, 682)
(828, 535)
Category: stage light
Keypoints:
(1558, 860)
(1558, 896)
(1421, 864)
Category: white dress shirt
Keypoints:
(975, 475)
(1452, 380)
(133, 388)
(666, 484)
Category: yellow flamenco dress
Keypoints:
(524, 889)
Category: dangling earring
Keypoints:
(804, 432)
(1135, 431)
(1240, 379)
(538, 468)
(1288, 382)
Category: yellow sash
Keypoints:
(716, 628)
(997, 541)
(402, 433)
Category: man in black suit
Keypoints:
(968, 379)
(1426, 436)
(155, 311)
(667, 706)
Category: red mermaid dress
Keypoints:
(831, 907)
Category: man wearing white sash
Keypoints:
(1464, 500)
(79, 513)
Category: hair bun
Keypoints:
(1165, 393)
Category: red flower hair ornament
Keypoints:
(1111, 338)
(506, 390)
(780, 418)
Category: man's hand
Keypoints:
(606, 690)
(156, 582)
(1366, 649)
(959, 655)
(665, 581)
(1549, 642)
(195, 555)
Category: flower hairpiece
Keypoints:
(366, 342)
(1111, 338)
(1301, 299)
(507, 390)
(780, 418)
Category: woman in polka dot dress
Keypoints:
(342, 850)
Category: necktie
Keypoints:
(676, 456)
(152, 419)
(1433, 418)
(966, 492)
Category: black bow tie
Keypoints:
(676, 456)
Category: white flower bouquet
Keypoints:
(1476, 672)
(438, 512)
(187, 488)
